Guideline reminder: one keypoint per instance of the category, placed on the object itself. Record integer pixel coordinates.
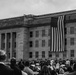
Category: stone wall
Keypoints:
(68, 36)
(20, 42)
(26, 44)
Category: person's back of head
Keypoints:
(4, 70)
(27, 63)
(15, 67)
(13, 61)
(2, 55)
(45, 70)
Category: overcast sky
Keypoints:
(13, 8)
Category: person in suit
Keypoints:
(15, 67)
(4, 69)
(74, 70)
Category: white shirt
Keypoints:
(2, 63)
(24, 73)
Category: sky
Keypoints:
(14, 8)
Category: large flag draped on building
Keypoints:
(57, 40)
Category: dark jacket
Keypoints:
(17, 71)
(5, 70)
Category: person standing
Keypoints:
(14, 66)
(27, 69)
(4, 69)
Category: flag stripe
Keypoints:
(52, 39)
(63, 38)
(61, 34)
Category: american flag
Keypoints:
(57, 40)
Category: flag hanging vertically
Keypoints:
(57, 26)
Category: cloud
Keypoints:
(10, 8)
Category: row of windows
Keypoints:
(37, 33)
(72, 41)
(31, 43)
(50, 54)
(8, 40)
(8, 45)
(36, 54)
(13, 54)
(72, 30)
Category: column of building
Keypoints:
(26, 44)
(13, 44)
(8, 43)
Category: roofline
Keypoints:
(46, 15)
(11, 18)
(57, 14)
(40, 16)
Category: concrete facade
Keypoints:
(19, 41)
(40, 38)
(70, 47)
(23, 25)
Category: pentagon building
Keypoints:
(36, 37)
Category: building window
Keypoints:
(43, 54)
(8, 40)
(3, 41)
(65, 41)
(31, 44)
(48, 32)
(36, 54)
(8, 36)
(64, 54)
(71, 53)
(30, 54)
(31, 34)
(3, 36)
(49, 42)
(50, 54)
(3, 46)
(43, 33)
(14, 44)
(57, 54)
(8, 55)
(71, 41)
(14, 39)
(36, 43)
(37, 34)
(14, 33)
(14, 54)
(43, 43)
(65, 30)
(14, 36)
(71, 30)
(8, 44)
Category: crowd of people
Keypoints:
(42, 67)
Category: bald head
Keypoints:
(2, 55)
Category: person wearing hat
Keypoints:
(4, 69)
